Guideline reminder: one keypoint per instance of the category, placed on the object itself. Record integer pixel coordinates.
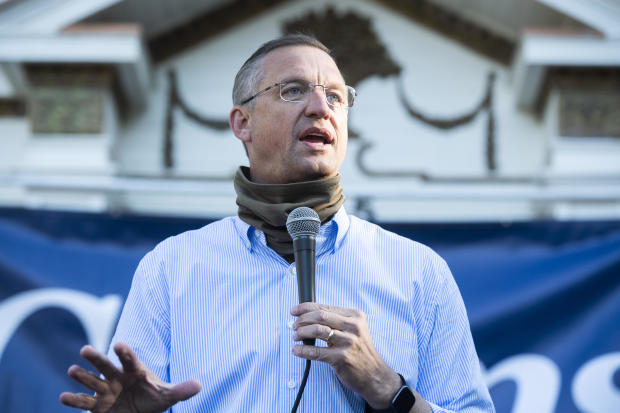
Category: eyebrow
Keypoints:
(301, 80)
(293, 79)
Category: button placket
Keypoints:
(292, 366)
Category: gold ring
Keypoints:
(330, 335)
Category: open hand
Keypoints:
(132, 389)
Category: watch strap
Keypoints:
(402, 402)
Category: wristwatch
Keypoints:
(402, 402)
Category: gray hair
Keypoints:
(251, 73)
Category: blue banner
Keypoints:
(543, 300)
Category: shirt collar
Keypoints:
(341, 219)
(330, 237)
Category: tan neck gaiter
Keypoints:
(266, 206)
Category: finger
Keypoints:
(127, 357)
(319, 331)
(87, 379)
(345, 312)
(313, 352)
(185, 390)
(332, 320)
(307, 307)
(100, 362)
(303, 308)
(77, 400)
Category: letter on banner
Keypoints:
(593, 386)
(537, 378)
(97, 315)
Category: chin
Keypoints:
(312, 170)
(313, 175)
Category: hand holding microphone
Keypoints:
(353, 357)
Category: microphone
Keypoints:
(303, 225)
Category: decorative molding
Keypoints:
(421, 11)
(485, 105)
(360, 54)
(354, 44)
(175, 100)
(455, 27)
(205, 26)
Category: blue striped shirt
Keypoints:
(214, 305)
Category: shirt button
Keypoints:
(289, 323)
(293, 270)
(291, 384)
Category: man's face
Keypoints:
(296, 141)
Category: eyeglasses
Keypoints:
(300, 90)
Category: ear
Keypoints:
(239, 121)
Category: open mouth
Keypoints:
(316, 136)
(315, 139)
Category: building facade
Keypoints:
(467, 111)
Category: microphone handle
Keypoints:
(304, 248)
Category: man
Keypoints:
(214, 309)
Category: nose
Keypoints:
(316, 106)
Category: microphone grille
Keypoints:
(303, 221)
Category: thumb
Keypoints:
(185, 390)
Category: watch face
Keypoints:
(404, 400)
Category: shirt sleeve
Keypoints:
(450, 378)
(144, 323)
